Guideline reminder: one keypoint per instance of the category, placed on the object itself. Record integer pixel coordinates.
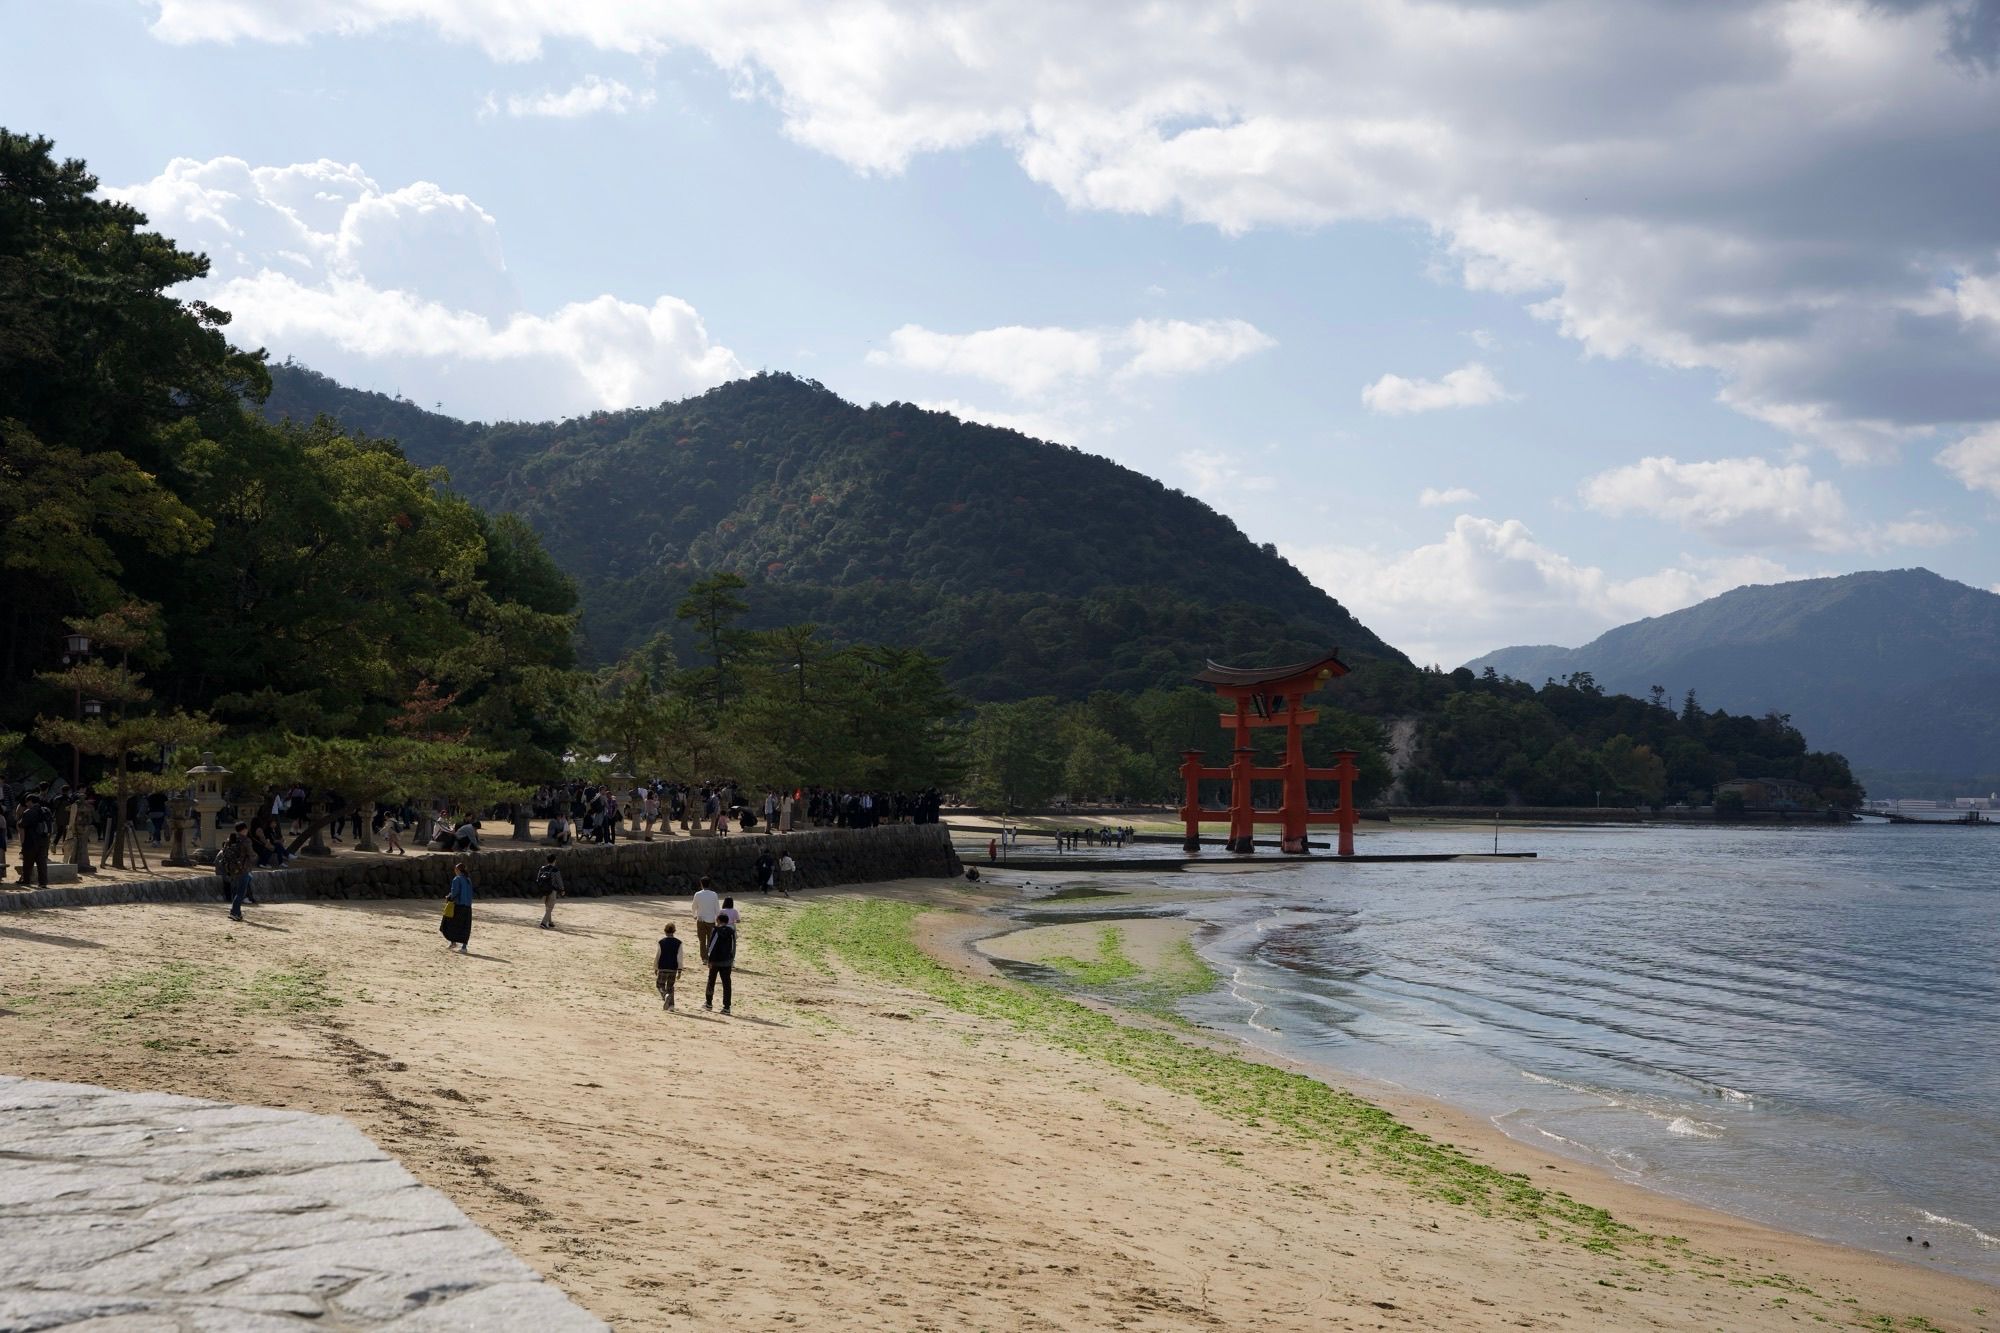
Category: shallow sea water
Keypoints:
(1798, 1026)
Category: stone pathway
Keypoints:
(122, 1212)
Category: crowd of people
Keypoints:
(579, 811)
(41, 817)
(1066, 840)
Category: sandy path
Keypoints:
(840, 1153)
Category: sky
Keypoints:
(1507, 321)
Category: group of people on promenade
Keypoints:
(601, 812)
(41, 817)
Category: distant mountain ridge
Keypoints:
(1032, 567)
(1897, 669)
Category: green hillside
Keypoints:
(1897, 669)
(1032, 568)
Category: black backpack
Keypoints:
(545, 878)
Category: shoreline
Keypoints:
(877, 1140)
(1660, 1208)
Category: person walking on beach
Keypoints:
(722, 953)
(707, 903)
(456, 927)
(788, 871)
(667, 966)
(234, 862)
(549, 880)
(767, 871)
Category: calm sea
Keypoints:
(1801, 1027)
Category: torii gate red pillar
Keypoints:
(1269, 697)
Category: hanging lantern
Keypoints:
(91, 708)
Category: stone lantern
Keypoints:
(621, 791)
(322, 812)
(205, 789)
(178, 808)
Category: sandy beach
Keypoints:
(888, 1133)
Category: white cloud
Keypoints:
(1035, 425)
(1182, 347)
(1471, 385)
(593, 96)
(1975, 460)
(1217, 472)
(1032, 362)
(1766, 191)
(319, 262)
(1752, 502)
(1026, 361)
(1735, 501)
(1430, 497)
(1916, 530)
(1489, 583)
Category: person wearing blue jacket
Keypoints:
(456, 927)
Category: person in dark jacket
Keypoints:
(549, 880)
(234, 862)
(722, 953)
(667, 967)
(37, 824)
(767, 871)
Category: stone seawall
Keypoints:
(673, 865)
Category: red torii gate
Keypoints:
(1270, 697)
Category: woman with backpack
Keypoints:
(722, 952)
(548, 879)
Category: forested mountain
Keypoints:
(1042, 575)
(1897, 669)
(1032, 568)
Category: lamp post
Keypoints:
(76, 651)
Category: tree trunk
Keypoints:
(315, 825)
(118, 821)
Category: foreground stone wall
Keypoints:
(826, 857)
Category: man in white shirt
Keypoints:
(707, 902)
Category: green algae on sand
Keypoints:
(874, 937)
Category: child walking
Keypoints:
(667, 967)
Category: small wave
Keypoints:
(1580, 1089)
(1687, 1128)
(1676, 1123)
(1936, 1219)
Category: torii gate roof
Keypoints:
(1226, 676)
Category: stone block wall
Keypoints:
(669, 865)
